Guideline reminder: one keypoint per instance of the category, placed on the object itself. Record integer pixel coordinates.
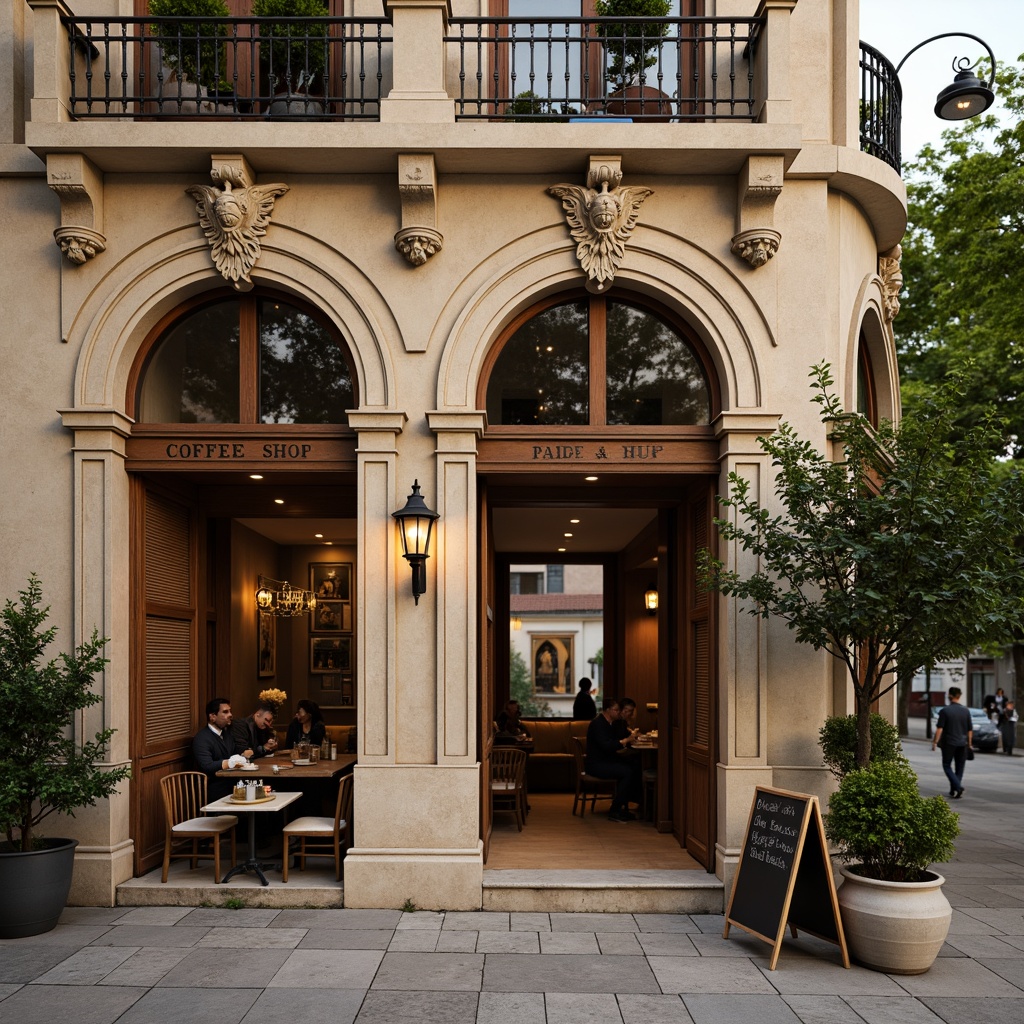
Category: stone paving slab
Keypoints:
(312, 1005)
(824, 1010)
(145, 967)
(525, 972)
(705, 975)
(86, 967)
(149, 935)
(728, 1009)
(384, 1007)
(653, 1010)
(961, 1010)
(344, 938)
(327, 969)
(44, 1004)
(436, 972)
(581, 1007)
(189, 1006)
(882, 1010)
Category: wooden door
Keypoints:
(485, 677)
(164, 685)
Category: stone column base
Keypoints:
(429, 879)
(99, 870)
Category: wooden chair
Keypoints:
(588, 785)
(322, 837)
(184, 793)
(508, 782)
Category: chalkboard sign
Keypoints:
(784, 875)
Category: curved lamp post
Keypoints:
(415, 522)
(967, 95)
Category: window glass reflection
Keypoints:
(303, 375)
(193, 375)
(653, 376)
(542, 375)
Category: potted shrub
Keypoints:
(838, 741)
(43, 770)
(630, 50)
(895, 915)
(193, 52)
(293, 53)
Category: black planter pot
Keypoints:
(35, 887)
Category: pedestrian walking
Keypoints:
(953, 736)
(1008, 727)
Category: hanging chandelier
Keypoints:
(279, 597)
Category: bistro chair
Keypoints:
(588, 785)
(508, 782)
(322, 837)
(184, 793)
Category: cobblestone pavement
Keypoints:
(162, 965)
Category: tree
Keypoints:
(963, 309)
(905, 543)
(521, 689)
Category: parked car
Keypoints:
(986, 733)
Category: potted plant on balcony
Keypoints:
(630, 50)
(43, 769)
(895, 915)
(192, 52)
(293, 54)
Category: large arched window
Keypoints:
(597, 361)
(255, 359)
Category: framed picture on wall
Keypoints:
(331, 581)
(328, 655)
(266, 646)
(552, 663)
(332, 616)
(332, 690)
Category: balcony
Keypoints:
(881, 98)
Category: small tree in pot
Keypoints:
(293, 52)
(193, 49)
(43, 770)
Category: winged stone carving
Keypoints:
(601, 217)
(234, 219)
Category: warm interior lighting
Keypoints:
(279, 501)
(279, 597)
(255, 476)
(590, 479)
(651, 600)
(516, 622)
(415, 523)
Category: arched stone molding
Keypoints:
(151, 281)
(868, 314)
(701, 289)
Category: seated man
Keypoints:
(509, 722)
(254, 736)
(605, 761)
(213, 748)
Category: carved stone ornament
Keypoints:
(417, 245)
(601, 218)
(756, 246)
(79, 244)
(890, 272)
(234, 219)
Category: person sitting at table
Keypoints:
(624, 727)
(254, 736)
(604, 761)
(308, 725)
(509, 722)
(213, 748)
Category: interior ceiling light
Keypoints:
(279, 597)
(255, 476)
(319, 536)
(590, 479)
(561, 549)
(566, 534)
(279, 501)
(573, 520)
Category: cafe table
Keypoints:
(228, 805)
(323, 769)
(648, 751)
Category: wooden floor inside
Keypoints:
(553, 838)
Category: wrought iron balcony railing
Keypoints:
(647, 69)
(881, 99)
(240, 68)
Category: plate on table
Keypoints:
(302, 760)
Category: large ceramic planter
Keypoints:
(896, 927)
(35, 887)
(643, 102)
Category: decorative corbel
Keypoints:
(601, 217)
(80, 187)
(890, 272)
(418, 238)
(758, 187)
(234, 217)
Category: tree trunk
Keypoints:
(863, 731)
(903, 691)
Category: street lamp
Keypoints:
(967, 95)
(415, 522)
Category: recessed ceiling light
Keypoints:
(328, 542)
(319, 536)
(255, 476)
(566, 534)
(590, 479)
(573, 520)
(279, 501)
(561, 549)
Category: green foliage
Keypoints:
(906, 545)
(41, 769)
(878, 817)
(528, 106)
(963, 308)
(233, 903)
(409, 907)
(298, 49)
(838, 741)
(195, 49)
(520, 688)
(631, 45)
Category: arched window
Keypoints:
(255, 359)
(598, 361)
(867, 403)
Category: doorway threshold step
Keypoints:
(628, 892)
(318, 889)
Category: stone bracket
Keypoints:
(891, 273)
(758, 186)
(418, 238)
(79, 184)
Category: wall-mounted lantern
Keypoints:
(651, 601)
(415, 523)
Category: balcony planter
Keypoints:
(641, 102)
(192, 52)
(293, 55)
(35, 887)
(630, 50)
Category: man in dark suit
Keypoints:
(604, 759)
(254, 736)
(214, 746)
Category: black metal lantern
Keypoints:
(967, 96)
(415, 523)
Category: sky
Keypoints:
(896, 26)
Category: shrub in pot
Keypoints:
(43, 770)
(838, 741)
(894, 913)
(193, 50)
(631, 49)
(293, 54)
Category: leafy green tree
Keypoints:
(42, 770)
(963, 308)
(906, 542)
(520, 688)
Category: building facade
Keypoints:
(237, 318)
